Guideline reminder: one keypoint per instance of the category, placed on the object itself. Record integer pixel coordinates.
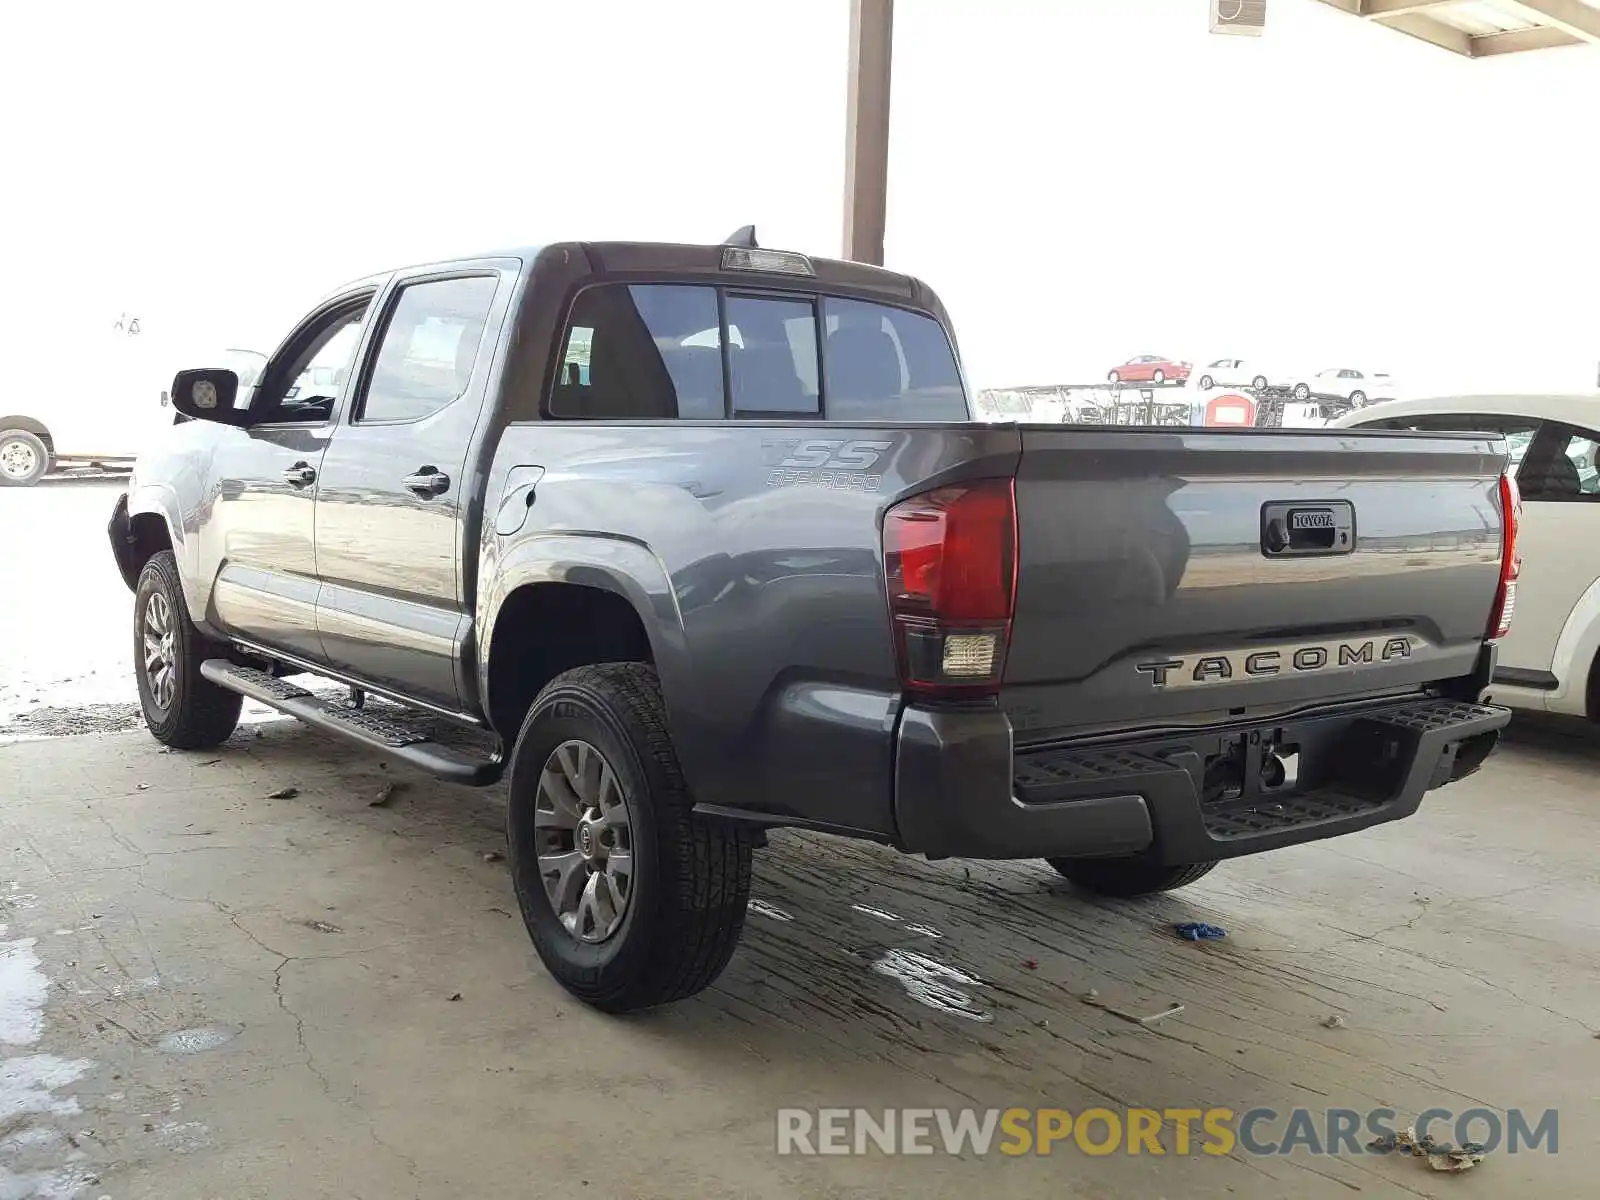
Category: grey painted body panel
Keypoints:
(758, 576)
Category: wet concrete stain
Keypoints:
(881, 914)
(935, 984)
(196, 1041)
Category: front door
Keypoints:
(391, 530)
(266, 587)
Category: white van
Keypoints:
(108, 425)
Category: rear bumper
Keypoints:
(962, 791)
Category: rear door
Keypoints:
(390, 525)
(266, 476)
(1560, 528)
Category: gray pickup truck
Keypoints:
(706, 541)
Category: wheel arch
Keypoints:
(564, 602)
(29, 425)
(1575, 661)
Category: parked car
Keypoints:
(1230, 373)
(1551, 660)
(1345, 383)
(717, 585)
(1149, 368)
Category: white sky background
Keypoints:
(1081, 180)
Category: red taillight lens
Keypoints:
(1505, 600)
(950, 561)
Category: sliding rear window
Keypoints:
(660, 351)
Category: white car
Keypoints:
(1549, 659)
(1357, 388)
(1234, 373)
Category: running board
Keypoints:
(357, 725)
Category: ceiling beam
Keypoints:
(1387, 8)
(1570, 16)
(1517, 40)
(1428, 30)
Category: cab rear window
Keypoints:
(689, 351)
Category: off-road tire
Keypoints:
(41, 458)
(691, 881)
(201, 714)
(1123, 877)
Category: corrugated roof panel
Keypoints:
(1479, 17)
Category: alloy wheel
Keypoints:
(584, 837)
(160, 650)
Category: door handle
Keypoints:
(428, 481)
(300, 475)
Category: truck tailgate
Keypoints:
(1180, 578)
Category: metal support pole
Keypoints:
(866, 164)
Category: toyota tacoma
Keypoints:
(706, 541)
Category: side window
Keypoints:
(429, 347)
(1559, 464)
(775, 368)
(305, 386)
(641, 352)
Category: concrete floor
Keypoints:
(208, 993)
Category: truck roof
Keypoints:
(650, 258)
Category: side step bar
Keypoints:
(357, 725)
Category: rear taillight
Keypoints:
(1505, 599)
(950, 561)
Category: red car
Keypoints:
(1150, 368)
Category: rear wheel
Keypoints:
(1205, 383)
(1259, 383)
(1114, 377)
(1358, 398)
(1159, 377)
(1128, 876)
(182, 708)
(1302, 391)
(24, 458)
(631, 900)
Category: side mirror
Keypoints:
(208, 395)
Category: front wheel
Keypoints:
(1125, 877)
(1259, 383)
(1205, 383)
(630, 898)
(1358, 398)
(24, 458)
(182, 708)
(1302, 391)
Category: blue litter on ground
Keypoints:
(1199, 931)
